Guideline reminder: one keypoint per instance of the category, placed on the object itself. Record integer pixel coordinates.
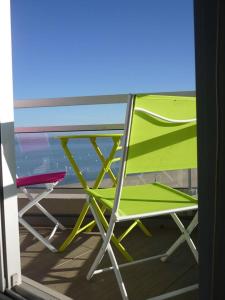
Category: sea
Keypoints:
(43, 153)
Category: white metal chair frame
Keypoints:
(106, 236)
(34, 201)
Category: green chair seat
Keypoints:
(145, 199)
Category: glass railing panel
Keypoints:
(38, 153)
(172, 178)
(194, 178)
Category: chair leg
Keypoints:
(175, 293)
(105, 224)
(102, 250)
(107, 234)
(102, 229)
(34, 201)
(39, 206)
(185, 236)
(50, 217)
(37, 235)
(106, 246)
(129, 229)
(117, 272)
(143, 228)
(53, 232)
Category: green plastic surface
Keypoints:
(157, 145)
(142, 199)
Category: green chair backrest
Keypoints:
(156, 144)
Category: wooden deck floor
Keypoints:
(66, 272)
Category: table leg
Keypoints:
(106, 164)
(77, 228)
(105, 224)
(106, 168)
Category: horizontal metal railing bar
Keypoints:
(177, 93)
(69, 128)
(70, 101)
(81, 100)
(87, 100)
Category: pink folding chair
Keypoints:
(50, 180)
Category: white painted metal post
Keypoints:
(10, 268)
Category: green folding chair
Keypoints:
(160, 134)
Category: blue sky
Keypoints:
(97, 47)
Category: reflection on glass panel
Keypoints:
(38, 153)
(176, 179)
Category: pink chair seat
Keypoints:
(40, 179)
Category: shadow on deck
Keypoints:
(66, 272)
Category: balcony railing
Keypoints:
(37, 149)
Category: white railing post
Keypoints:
(10, 268)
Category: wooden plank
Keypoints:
(66, 272)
